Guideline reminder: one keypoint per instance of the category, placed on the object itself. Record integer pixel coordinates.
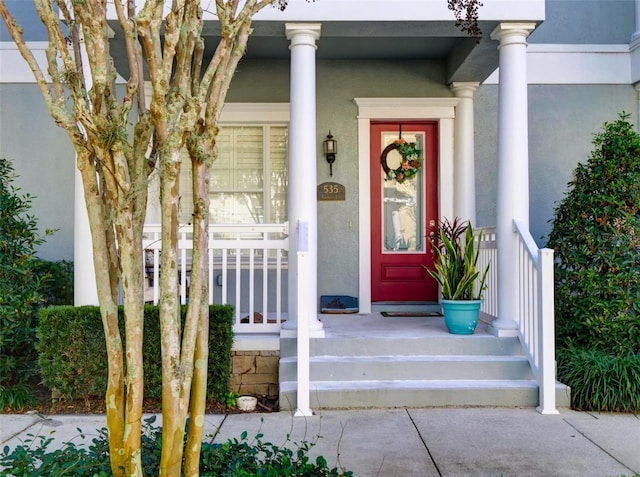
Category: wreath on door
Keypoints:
(410, 163)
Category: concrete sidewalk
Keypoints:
(416, 442)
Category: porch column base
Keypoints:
(290, 329)
(504, 328)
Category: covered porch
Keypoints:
(367, 359)
(270, 273)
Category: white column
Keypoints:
(301, 198)
(85, 290)
(464, 201)
(513, 166)
(636, 35)
(637, 88)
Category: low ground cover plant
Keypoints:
(234, 458)
(596, 236)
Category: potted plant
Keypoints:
(456, 248)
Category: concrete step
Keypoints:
(410, 363)
(419, 393)
(418, 367)
(445, 344)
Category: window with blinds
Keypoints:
(248, 182)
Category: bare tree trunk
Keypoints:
(199, 313)
(185, 108)
(107, 297)
(132, 278)
(173, 415)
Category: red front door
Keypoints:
(402, 215)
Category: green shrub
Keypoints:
(56, 281)
(600, 381)
(234, 458)
(73, 356)
(19, 292)
(596, 236)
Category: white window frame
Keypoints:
(252, 115)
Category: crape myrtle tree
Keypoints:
(119, 140)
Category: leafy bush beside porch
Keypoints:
(20, 293)
(73, 357)
(596, 235)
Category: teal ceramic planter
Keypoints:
(461, 316)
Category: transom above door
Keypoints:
(403, 212)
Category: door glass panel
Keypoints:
(402, 203)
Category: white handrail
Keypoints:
(246, 265)
(536, 327)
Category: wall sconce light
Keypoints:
(330, 148)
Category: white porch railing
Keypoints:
(536, 327)
(247, 269)
(489, 256)
(536, 314)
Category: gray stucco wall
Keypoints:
(338, 83)
(25, 14)
(562, 122)
(44, 159)
(586, 22)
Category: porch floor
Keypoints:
(375, 325)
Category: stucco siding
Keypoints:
(337, 83)
(25, 14)
(44, 159)
(486, 153)
(562, 121)
(586, 22)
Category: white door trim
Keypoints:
(415, 109)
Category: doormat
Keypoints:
(402, 314)
(338, 304)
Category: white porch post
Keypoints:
(464, 201)
(85, 290)
(636, 34)
(637, 88)
(513, 166)
(302, 200)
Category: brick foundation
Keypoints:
(255, 373)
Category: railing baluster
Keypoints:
(252, 285)
(225, 275)
(210, 256)
(245, 241)
(278, 286)
(265, 279)
(239, 283)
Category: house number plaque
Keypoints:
(331, 191)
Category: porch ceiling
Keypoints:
(440, 41)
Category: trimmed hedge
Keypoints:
(73, 355)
